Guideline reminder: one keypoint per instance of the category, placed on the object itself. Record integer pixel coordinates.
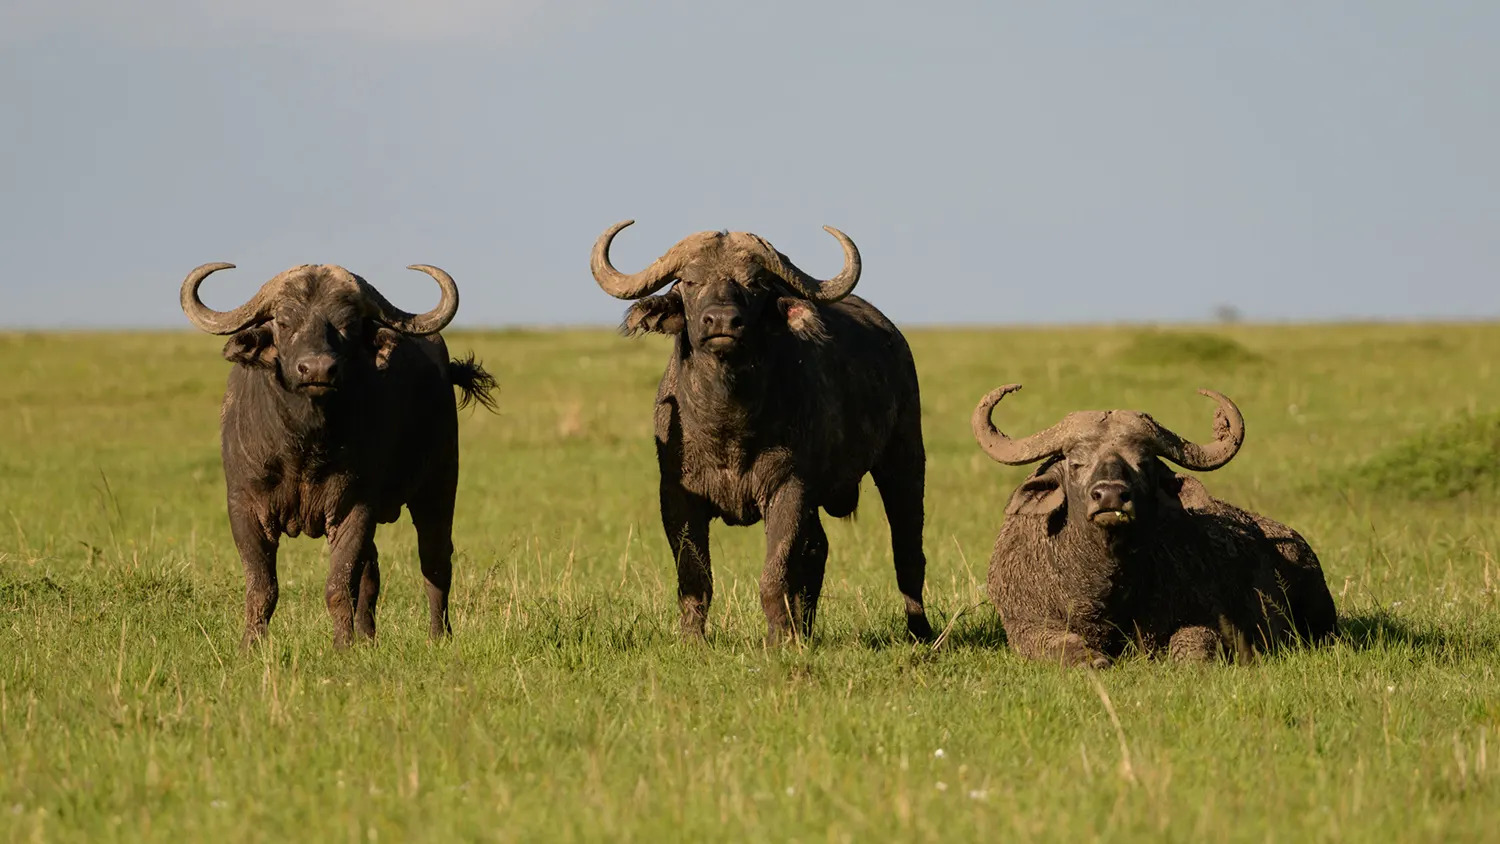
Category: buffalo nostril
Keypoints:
(1096, 494)
(736, 321)
(303, 368)
(1123, 494)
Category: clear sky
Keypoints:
(995, 161)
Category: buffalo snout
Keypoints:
(722, 321)
(1110, 503)
(317, 371)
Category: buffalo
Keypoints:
(339, 410)
(780, 393)
(1104, 545)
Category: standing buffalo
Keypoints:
(780, 394)
(339, 410)
(1104, 544)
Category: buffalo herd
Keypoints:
(781, 392)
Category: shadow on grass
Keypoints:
(976, 628)
(16, 592)
(1380, 630)
(1361, 631)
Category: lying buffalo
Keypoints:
(780, 394)
(339, 411)
(1104, 544)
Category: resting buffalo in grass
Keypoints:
(1104, 544)
(339, 411)
(780, 394)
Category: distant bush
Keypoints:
(1174, 348)
(1447, 461)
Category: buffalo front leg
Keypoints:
(685, 520)
(258, 555)
(1048, 642)
(369, 590)
(346, 543)
(784, 580)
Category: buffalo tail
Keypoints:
(474, 383)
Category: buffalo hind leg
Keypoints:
(433, 519)
(901, 477)
(258, 556)
(369, 591)
(685, 521)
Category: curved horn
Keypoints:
(1229, 435)
(1003, 449)
(210, 320)
(620, 285)
(431, 322)
(831, 290)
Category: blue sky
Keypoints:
(996, 162)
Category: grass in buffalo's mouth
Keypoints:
(566, 708)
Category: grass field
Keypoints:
(565, 708)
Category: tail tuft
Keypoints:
(474, 382)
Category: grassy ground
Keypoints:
(564, 708)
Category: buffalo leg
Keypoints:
(258, 555)
(346, 544)
(901, 477)
(1046, 642)
(786, 519)
(807, 570)
(369, 591)
(433, 519)
(686, 523)
(1194, 644)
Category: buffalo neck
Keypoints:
(316, 424)
(1125, 547)
(722, 397)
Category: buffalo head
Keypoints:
(1103, 466)
(312, 324)
(732, 290)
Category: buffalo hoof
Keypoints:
(917, 626)
(252, 637)
(691, 626)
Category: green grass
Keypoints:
(565, 709)
(1456, 458)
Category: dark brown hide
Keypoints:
(334, 420)
(772, 406)
(1104, 545)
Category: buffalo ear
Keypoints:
(1040, 495)
(253, 347)
(1183, 491)
(802, 319)
(1043, 495)
(385, 343)
(655, 315)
